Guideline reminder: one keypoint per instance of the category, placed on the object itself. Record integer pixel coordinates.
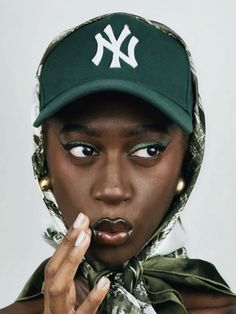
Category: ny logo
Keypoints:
(114, 46)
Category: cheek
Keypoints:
(69, 188)
(71, 193)
(161, 180)
(156, 194)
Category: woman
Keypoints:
(118, 147)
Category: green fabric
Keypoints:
(161, 75)
(162, 277)
(34, 286)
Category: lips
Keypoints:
(111, 232)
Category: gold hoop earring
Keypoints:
(45, 183)
(180, 186)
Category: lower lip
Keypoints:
(105, 238)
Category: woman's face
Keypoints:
(118, 160)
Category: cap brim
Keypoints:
(166, 105)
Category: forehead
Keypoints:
(112, 105)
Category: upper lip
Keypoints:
(112, 225)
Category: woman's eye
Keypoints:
(81, 150)
(149, 151)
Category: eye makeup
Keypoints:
(148, 150)
(157, 144)
(86, 149)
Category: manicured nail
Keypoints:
(79, 220)
(102, 283)
(80, 238)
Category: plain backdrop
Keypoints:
(26, 28)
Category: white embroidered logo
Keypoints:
(114, 46)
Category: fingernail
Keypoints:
(80, 238)
(102, 282)
(79, 220)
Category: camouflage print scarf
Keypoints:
(148, 282)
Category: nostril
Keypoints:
(112, 195)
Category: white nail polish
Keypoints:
(102, 282)
(79, 220)
(80, 238)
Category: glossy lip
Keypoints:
(111, 232)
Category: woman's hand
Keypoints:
(59, 286)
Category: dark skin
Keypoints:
(112, 156)
(116, 174)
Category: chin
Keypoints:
(110, 257)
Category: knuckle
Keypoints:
(72, 258)
(56, 290)
(50, 270)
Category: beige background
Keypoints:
(26, 27)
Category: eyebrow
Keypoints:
(80, 128)
(128, 132)
(145, 128)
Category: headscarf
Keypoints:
(148, 282)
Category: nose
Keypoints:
(112, 183)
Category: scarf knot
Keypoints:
(143, 286)
(132, 274)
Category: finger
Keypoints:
(51, 292)
(66, 306)
(95, 297)
(59, 288)
(81, 223)
(64, 277)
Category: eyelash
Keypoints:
(69, 146)
(159, 147)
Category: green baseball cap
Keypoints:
(118, 52)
